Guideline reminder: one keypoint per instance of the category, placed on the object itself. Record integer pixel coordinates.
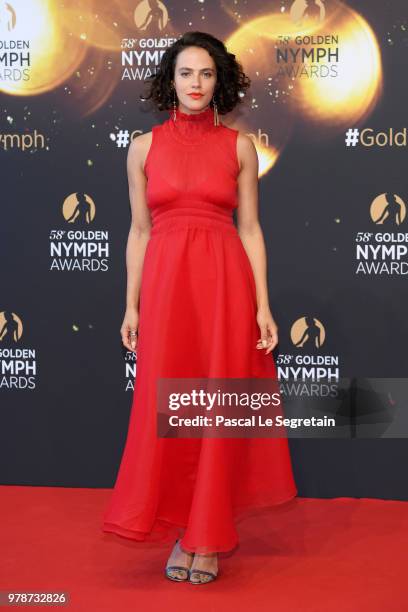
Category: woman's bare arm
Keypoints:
(139, 232)
(250, 232)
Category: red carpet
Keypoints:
(313, 555)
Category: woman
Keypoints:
(197, 302)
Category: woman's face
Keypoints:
(195, 72)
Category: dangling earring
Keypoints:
(216, 120)
(174, 104)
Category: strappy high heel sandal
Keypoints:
(178, 568)
(209, 576)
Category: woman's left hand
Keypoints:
(268, 329)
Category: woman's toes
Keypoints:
(203, 563)
(177, 573)
(198, 577)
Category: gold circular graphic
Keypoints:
(308, 332)
(79, 207)
(11, 326)
(151, 14)
(388, 208)
(307, 9)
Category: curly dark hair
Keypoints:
(231, 85)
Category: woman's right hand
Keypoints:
(130, 324)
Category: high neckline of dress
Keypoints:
(191, 128)
(204, 116)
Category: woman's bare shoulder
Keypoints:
(244, 141)
(139, 148)
(246, 149)
(140, 143)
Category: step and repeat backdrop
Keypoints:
(327, 111)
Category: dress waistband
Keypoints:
(177, 217)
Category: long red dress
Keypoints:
(197, 318)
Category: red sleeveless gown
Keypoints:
(197, 318)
